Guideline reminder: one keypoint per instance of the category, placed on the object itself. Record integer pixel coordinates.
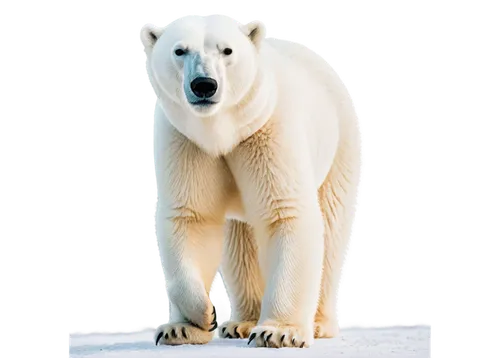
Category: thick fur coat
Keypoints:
(257, 174)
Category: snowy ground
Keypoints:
(354, 342)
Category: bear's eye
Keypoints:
(180, 52)
(227, 51)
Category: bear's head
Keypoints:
(202, 64)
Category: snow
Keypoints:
(353, 342)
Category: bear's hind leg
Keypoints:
(325, 321)
(337, 198)
(242, 278)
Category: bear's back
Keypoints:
(304, 58)
(309, 85)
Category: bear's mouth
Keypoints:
(203, 103)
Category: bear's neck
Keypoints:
(218, 135)
(256, 108)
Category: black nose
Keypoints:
(204, 87)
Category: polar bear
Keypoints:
(257, 160)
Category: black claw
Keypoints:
(282, 338)
(166, 336)
(174, 333)
(262, 334)
(184, 334)
(267, 338)
(159, 337)
(215, 322)
(252, 336)
(223, 330)
(195, 325)
(302, 345)
(293, 341)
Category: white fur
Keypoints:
(276, 161)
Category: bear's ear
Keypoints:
(149, 35)
(256, 32)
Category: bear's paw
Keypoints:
(174, 334)
(279, 336)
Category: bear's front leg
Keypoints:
(192, 191)
(190, 249)
(277, 185)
